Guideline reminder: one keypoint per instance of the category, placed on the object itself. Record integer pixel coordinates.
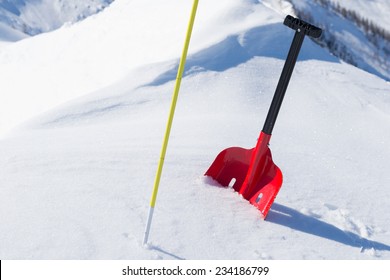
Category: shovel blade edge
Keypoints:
(266, 194)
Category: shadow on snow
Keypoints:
(293, 219)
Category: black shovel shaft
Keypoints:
(302, 28)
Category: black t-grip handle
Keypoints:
(301, 28)
(300, 25)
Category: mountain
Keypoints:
(355, 31)
(32, 17)
(82, 117)
(374, 10)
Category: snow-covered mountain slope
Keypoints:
(76, 181)
(32, 17)
(355, 31)
(59, 66)
(376, 11)
(8, 34)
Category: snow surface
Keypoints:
(342, 35)
(36, 16)
(77, 176)
(374, 10)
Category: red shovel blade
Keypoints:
(231, 166)
(251, 172)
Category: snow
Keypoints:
(36, 16)
(344, 37)
(8, 34)
(77, 174)
(375, 10)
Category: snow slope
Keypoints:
(8, 34)
(362, 40)
(36, 16)
(76, 180)
(375, 10)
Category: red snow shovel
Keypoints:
(251, 172)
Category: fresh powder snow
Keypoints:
(82, 115)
